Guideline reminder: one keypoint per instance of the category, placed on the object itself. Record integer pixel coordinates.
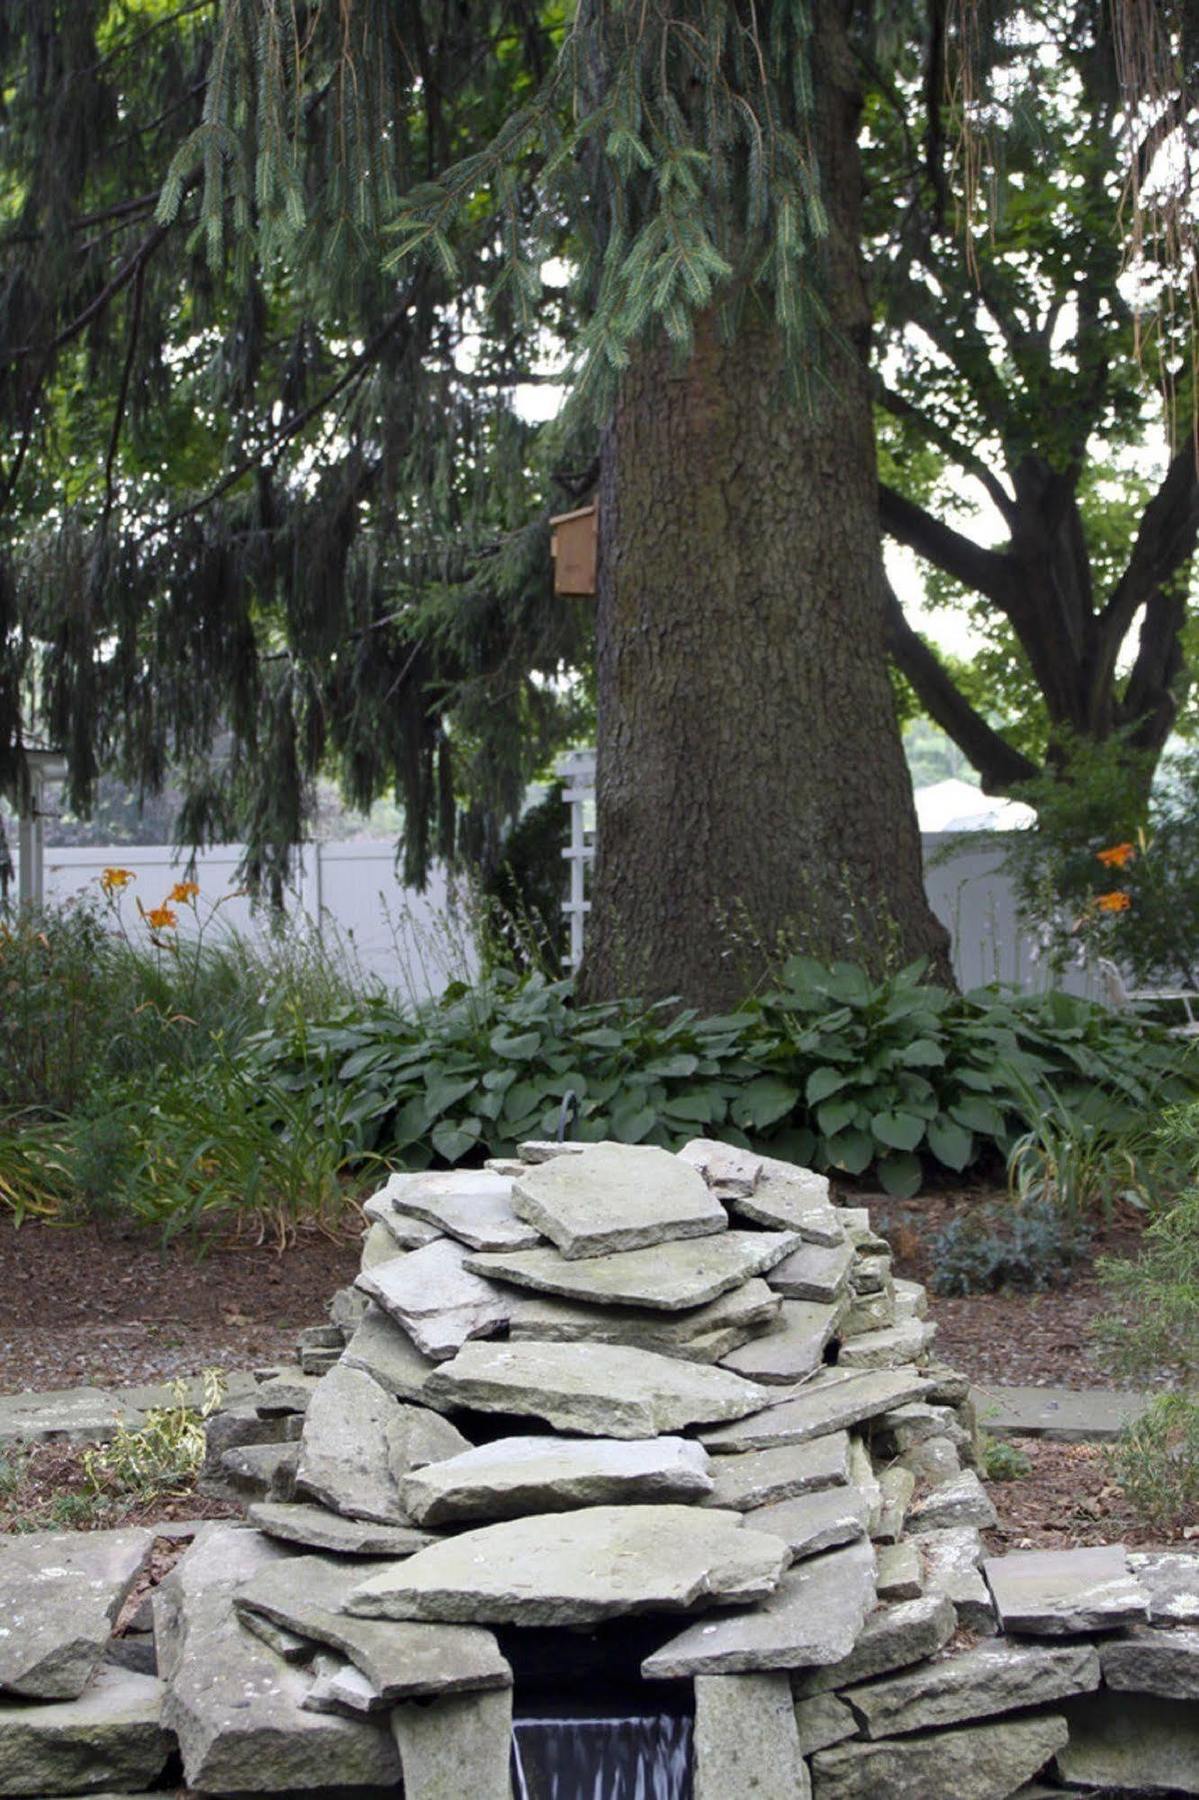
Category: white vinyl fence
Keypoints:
(349, 894)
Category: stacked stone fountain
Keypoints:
(597, 1388)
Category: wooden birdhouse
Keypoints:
(572, 547)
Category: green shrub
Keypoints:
(1030, 1244)
(1003, 1462)
(1156, 1461)
(1158, 1290)
(830, 1069)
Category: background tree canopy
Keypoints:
(269, 506)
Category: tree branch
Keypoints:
(1165, 542)
(1000, 766)
(988, 572)
(967, 460)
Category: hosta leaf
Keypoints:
(454, 1140)
(950, 1142)
(898, 1130)
(835, 1115)
(901, 1174)
(851, 1150)
(823, 1082)
(764, 1102)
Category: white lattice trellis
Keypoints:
(577, 772)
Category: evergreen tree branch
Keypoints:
(118, 417)
(1000, 766)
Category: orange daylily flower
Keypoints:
(1116, 857)
(161, 918)
(113, 880)
(1114, 902)
(183, 893)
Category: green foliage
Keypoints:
(1026, 1245)
(162, 1454)
(829, 1069)
(1080, 1165)
(1156, 1461)
(1111, 867)
(1156, 1293)
(1003, 1462)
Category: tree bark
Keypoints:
(751, 786)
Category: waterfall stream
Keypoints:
(568, 1757)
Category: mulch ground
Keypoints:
(82, 1305)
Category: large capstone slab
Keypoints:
(513, 1476)
(616, 1197)
(59, 1595)
(401, 1661)
(600, 1390)
(578, 1568)
(669, 1277)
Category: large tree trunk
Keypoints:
(752, 790)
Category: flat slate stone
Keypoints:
(896, 1485)
(401, 1661)
(829, 1402)
(456, 1748)
(1171, 1580)
(387, 1353)
(580, 1567)
(746, 1740)
(952, 1561)
(112, 1732)
(338, 1686)
(236, 1707)
(994, 1678)
(815, 1522)
(728, 1170)
(600, 1390)
(986, 1762)
(405, 1232)
(823, 1720)
(1137, 1744)
(616, 1197)
(888, 1348)
(1154, 1662)
(316, 1528)
(1065, 1415)
(1049, 1593)
(469, 1204)
(797, 1201)
(436, 1297)
(813, 1617)
(900, 1574)
(60, 1592)
(892, 1637)
(963, 1500)
(762, 1477)
(513, 1476)
(703, 1334)
(668, 1277)
(793, 1350)
(359, 1443)
(814, 1272)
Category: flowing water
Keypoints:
(577, 1758)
